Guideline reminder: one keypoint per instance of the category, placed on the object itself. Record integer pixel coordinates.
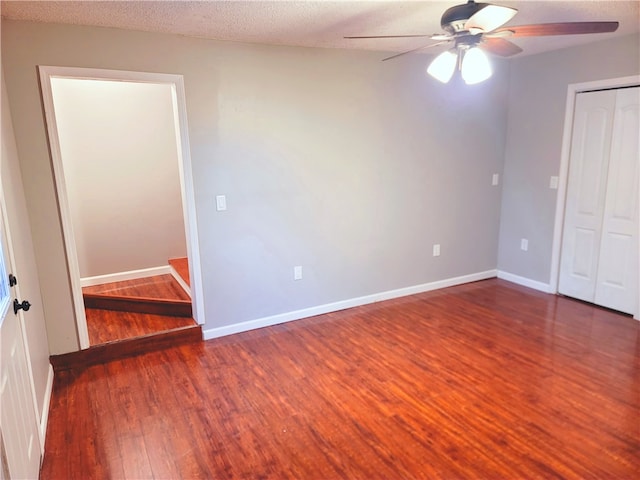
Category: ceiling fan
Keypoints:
(474, 28)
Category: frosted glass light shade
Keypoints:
(489, 18)
(443, 66)
(475, 66)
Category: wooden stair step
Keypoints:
(158, 295)
(122, 303)
(181, 267)
(157, 286)
(129, 347)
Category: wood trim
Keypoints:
(155, 306)
(524, 281)
(46, 404)
(125, 276)
(130, 347)
(181, 267)
(344, 304)
(46, 73)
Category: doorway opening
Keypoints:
(120, 153)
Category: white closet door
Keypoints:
(617, 284)
(586, 191)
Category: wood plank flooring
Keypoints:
(485, 380)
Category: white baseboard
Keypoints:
(341, 305)
(46, 404)
(181, 281)
(525, 282)
(122, 276)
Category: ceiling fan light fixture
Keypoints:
(443, 66)
(475, 66)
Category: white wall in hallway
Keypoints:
(119, 151)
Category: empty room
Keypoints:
(320, 239)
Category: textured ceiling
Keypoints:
(319, 23)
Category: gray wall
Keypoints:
(329, 159)
(537, 99)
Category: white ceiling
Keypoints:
(320, 23)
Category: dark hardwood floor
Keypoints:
(485, 380)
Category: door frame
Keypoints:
(176, 82)
(561, 196)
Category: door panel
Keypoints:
(19, 426)
(585, 241)
(18, 421)
(20, 251)
(617, 284)
(589, 162)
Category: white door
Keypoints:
(586, 192)
(18, 421)
(617, 285)
(600, 243)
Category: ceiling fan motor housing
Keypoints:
(454, 19)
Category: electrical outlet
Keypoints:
(436, 250)
(297, 273)
(495, 179)
(553, 183)
(524, 244)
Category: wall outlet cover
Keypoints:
(221, 203)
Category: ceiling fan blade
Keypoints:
(414, 50)
(500, 46)
(388, 36)
(441, 36)
(489, 18)
(567, 28)
(499, 34)
(435, 36)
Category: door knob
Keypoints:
(25, 305)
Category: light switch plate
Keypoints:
(495, 179)
(553, 182)
(436, 250)
(221, 203)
